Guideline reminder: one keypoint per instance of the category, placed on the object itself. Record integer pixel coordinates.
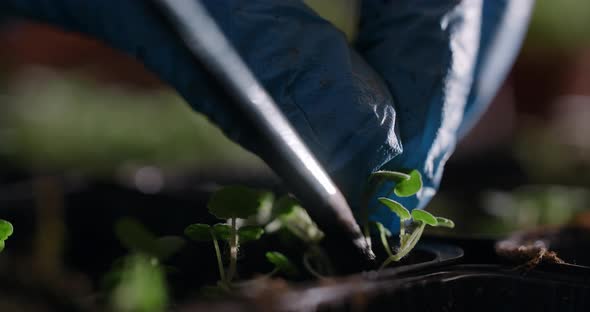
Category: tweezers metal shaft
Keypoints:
(292, 160)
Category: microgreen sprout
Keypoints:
(139, 279)
(142, 286)
(407, 241)
(231, 203)
(406, 184)
(6, 231)
(292, 217)
(137, 238)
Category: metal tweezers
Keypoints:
(291, 159)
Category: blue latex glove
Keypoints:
(443, 61)
(420, 73)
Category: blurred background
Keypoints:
(76, 116)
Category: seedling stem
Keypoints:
(218, 255)
(233, 249)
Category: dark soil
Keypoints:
(420, 282)
(569, 244)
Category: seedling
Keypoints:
(407, 241)
(137, 238)
(6, 231)
(139, 279)
(289, 214)
(230, 203)
(292, 217)
(406, 184)
(141, 286)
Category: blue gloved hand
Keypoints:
(420, 72)
(443, 61)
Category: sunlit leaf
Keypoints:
(199, 232)
(424, 216)
(444, 222)
(6, 229)
(395, 207)
(410, 186)
(393, 176)
(285, 205)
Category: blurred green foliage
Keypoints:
(561, 24)
(142, 286)
(67, 123)
(499, 213)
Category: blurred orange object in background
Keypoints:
(25, 44)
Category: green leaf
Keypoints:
(444, 222)
(424, 216)
(410, 186)
(299, 223)
(142, 286)
(135, 236)
(265, 212)
(199, 232)
(222, 231)
(2, 245)
(169, 245)
(6, 229)
(390, 176)
(250, 233)
(235, 202)
(395, 207)
(285, 205)
(281, 262)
